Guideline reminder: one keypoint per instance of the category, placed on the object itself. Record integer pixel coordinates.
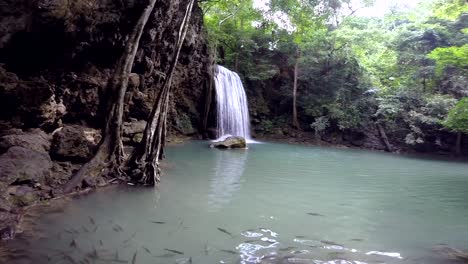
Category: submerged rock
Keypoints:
(230, 142)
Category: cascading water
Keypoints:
(233, 112)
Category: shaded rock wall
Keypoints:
(56, 57)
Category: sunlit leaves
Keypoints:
(450, 56)
(457, 119)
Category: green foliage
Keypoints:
(457, 119)
(449, 10)
(450, 56)
(267, 126)
(319, 125)
(406, 70)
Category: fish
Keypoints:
(166, 255)
(100, 242)
(174, 251)
(93, 254)
(331, 243)
(229, 251)
(134, 257)
(85, 229)
(158, 222)
(73, 244)
(70, 259)
(300, 236)
(315, 214)
(95, 229)
(147, 250)
(92, 220)
(130, 238)
(287, 248)
(225, 231)
(117, 228)
(357, 239)
(71, 231)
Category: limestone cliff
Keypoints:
(56, 57)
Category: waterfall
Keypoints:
(233, 113)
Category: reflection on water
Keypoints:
(226, 177)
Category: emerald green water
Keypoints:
(281, 203)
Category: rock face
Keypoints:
(74, 143)
(230, 142)
(56, 58)
(36, 140)
(20, 164)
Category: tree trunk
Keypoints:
(110, 151)
(384, 138)
(296, 68)
(458, 144)
(144, 163)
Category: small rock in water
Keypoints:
(230, 142)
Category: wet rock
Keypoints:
(183, 124)
(74, 143)
(22, 164)
(21, 195)
(61, 173)
(35, 139)
(141, 105)
(137, 138)
(7, 233)
(5, 205)
(230, 142)
(133, 81)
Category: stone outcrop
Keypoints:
(35, 139)
(230, 142)
(74, 143)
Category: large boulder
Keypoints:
(21, 164)
(230, 142)
(35, 139)
(74, 143)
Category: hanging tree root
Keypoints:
(144, 161)
(110, 153)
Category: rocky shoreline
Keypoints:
(35, 165)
